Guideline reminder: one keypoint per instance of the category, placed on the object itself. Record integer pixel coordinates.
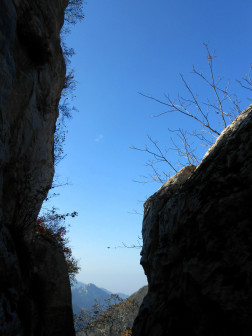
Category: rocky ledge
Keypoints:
(197, 244)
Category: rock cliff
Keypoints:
(35, 296)
(197, 244)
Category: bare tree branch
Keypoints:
(246, 81)
(212, 115)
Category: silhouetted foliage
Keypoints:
(114, 317)
(52, 226)
(73, 14)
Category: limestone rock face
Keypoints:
(32, 71)
(197, 244)
(35, 296)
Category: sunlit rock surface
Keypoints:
(197, 244)
(35, 296)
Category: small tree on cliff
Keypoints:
(74, 13)
(50, 224)
(108, 319)
(52, 227)
(211, 115)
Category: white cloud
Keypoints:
(98, 138)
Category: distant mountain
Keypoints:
(138, 296)
(117, 319)
(78, 284)
(122, 296)
(85, 296)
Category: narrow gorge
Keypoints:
(197, 228)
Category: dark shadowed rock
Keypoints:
(197, 244)
(35, 297)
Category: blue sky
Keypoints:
(124, 47)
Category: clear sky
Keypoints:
(124, 47)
